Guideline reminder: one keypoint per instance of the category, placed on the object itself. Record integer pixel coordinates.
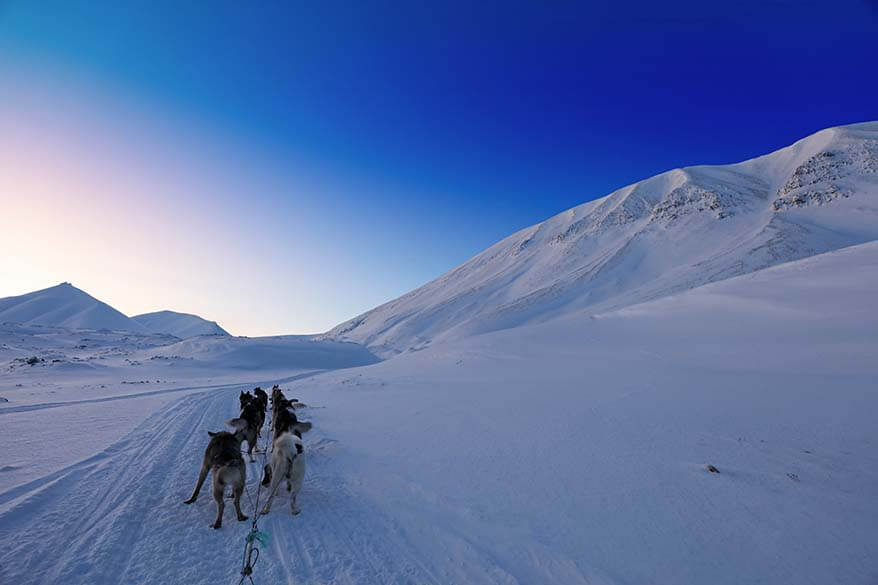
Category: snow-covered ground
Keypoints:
(569, 451)
(88, 388)
(547, 412)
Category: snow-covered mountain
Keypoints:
(181, 325)
(672, 232)
(571, 452)
(65, 305)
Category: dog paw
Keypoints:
(217, 525)
(241, 518)
(297, 511)
(189, 501)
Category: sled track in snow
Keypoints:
(119, 517)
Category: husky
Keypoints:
(261, 396)
(259, 402)
(287, 463)
(223, 458)
(276, 395)
(250, 423)
(285, 420)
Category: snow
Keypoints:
(571, 451)
(663, 235)
(547, 416)
(68, 307)
(64, 305)
(181, 325)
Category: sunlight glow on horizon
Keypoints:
(97, 201)
(286, 168)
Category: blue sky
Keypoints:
(280, 169)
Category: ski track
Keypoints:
(119, 516)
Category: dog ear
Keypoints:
(302, 427)
(239, 424)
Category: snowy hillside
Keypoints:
(663, 235)
(181, 325)
(568, 452)
(266, 353)
(64, 305)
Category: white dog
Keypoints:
(287, 463)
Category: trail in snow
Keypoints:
(567, 452)
(119, 517)
(44, 405)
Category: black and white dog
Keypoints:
(288, 452)
(287, 464)
(250, 422)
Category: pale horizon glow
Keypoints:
(284, 169)
(160, 229)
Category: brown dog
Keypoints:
(223, 458)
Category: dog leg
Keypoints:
(201, 477)
(220, 504)
(250, 445)
(239, 489)
(276, 478)
(295, 511)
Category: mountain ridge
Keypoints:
(65, 305)
(677, 230)
(181, 325)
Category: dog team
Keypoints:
(224, 459)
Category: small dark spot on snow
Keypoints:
(712, 469)
(793, 476)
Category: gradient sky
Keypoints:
(283, 168)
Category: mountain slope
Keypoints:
(571, 452)
(65, 305)
(663, 235)
(181, 325)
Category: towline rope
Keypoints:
(251, 550)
